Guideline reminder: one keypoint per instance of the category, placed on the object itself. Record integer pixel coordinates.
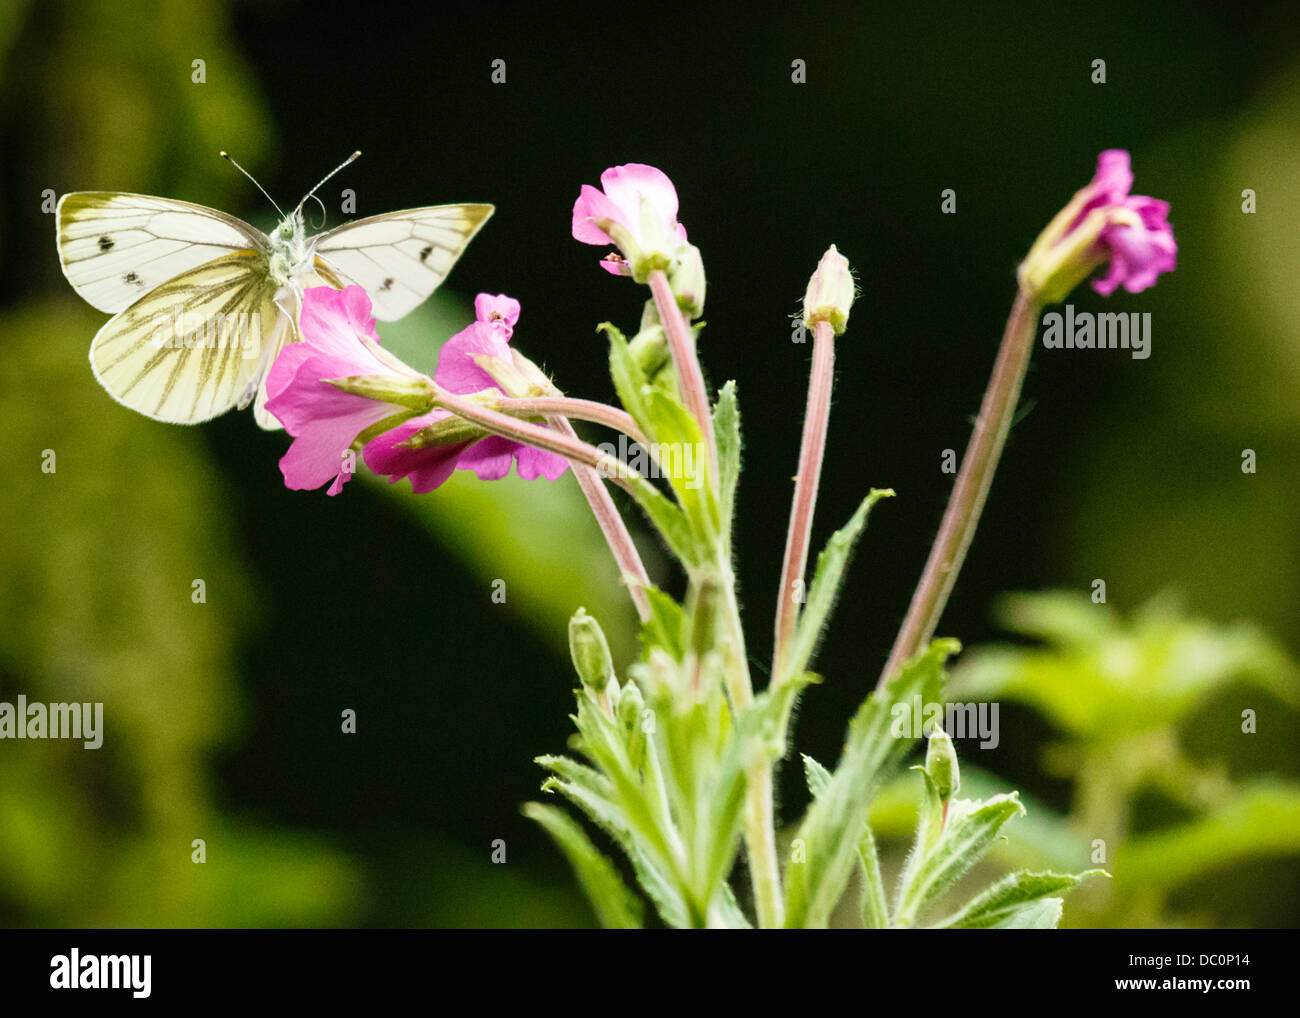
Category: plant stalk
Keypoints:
(972, 487)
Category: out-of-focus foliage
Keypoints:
(1177, 734)
(99, 556)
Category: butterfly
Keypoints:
(203, 302)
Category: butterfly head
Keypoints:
(289, 249)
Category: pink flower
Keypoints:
(1102, 225)
(1137, 238)
(636, 211)
(400, 452)
(338, 341)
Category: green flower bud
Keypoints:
(830, 292)
(941, 764)
(406, 390)
(687, 281)
(590, 652)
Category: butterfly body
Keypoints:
(203, 302)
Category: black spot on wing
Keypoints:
(106, 243)
(133, 279)
(387, 285)
(425, 252)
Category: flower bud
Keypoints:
(941, 764)
(649, 348)
(449, 430)
(830, 292)
(590, 651)
(512, 381)
(687, 281)
(406, 390)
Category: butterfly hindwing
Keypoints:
(115, 248)
(401, 257)
(191, 348)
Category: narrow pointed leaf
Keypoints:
(831, 565)
(616, 906)
(967, 835)
(726, 434)
(832, 829)
(1009, 897)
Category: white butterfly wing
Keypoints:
(400, 258)
(193, 347)
(115, 248)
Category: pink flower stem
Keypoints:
(575, 409)
(971, 489)
(690, 379)
(806, 482)
(611, 525)
(572, 448)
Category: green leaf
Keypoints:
(629, 380)
(595, 795)
(817, 776)
(831, 564)
(664, 626)
(1044, 914)
(1009, 897)
(755, 734)
(726, 434)
(671, 522)
(1262, 820)
(616, 906)
(967, 834)
(873, 907)
(724, 911)
(832, 829)
(682, 455)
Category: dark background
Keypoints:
(1117, 470)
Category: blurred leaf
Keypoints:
(617, 907)
(1100, 676)
(1263, 820)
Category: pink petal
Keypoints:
(316, 455)
(332, 319)
(532, 463)
(457, 372)
(593, 204)
(1114, 176)
(500, 312)
(627, 185)
(427, 468)
(489, 458)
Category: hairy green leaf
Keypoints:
(616, 906)
(831, 564)
(832, 829)
(1008, 898)
(967, 833)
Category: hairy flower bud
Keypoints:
(830, 293)
(941, 764)
(590, 651)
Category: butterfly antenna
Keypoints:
(324, 213)
(226, 156)
(346, 162)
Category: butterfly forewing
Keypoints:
(401, 257)
(115, 248)
(189, 350)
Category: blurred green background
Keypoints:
(223, 718)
